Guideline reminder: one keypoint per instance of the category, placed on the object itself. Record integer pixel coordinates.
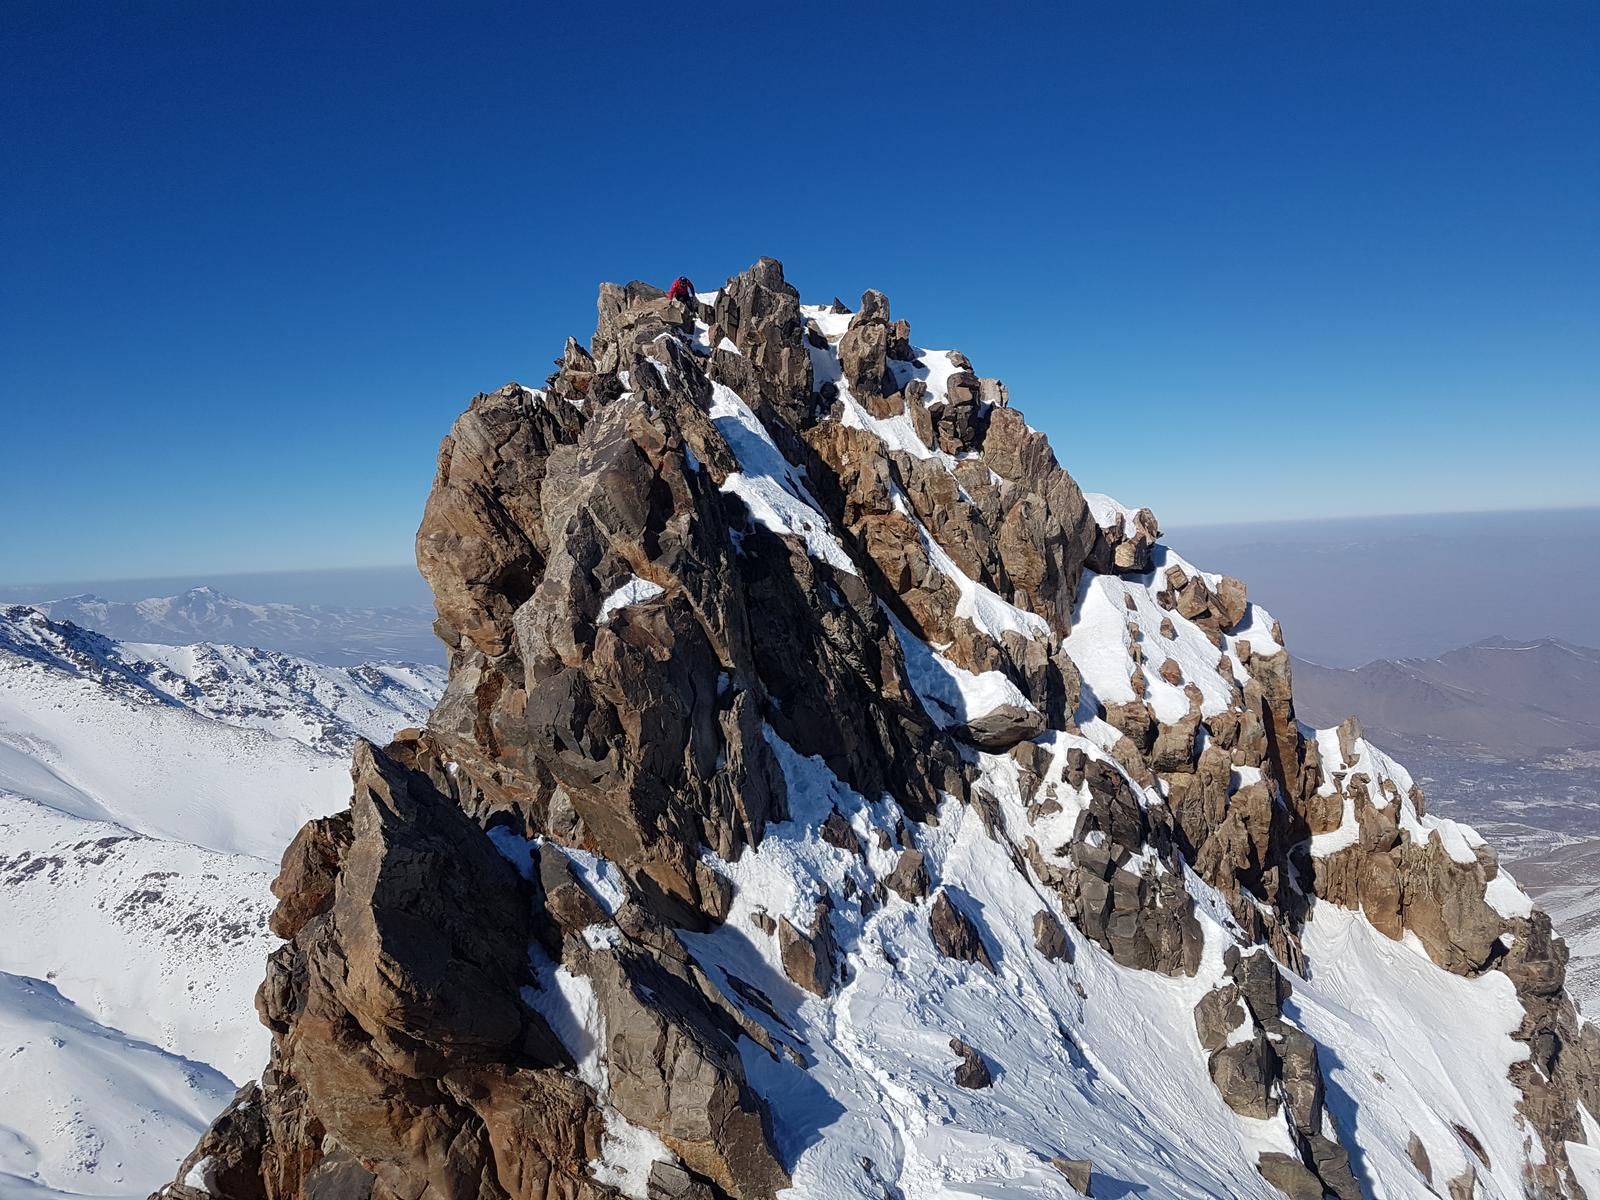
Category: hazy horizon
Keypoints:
(391, 585)
(204, 576)
(1347, 589)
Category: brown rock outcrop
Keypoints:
(954, 934)
(972, 1071)
(631, 646)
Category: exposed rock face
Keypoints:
(1290, 1176)
(1143, 918)
(954, 934)
(403, 1053)
(808, 957)
(728, 532)
(1260, 1060)
(909, 879)
(1079, 1173)
(972, 1071)
(1049, 939)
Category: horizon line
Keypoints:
(259, 572)
(1394, 516)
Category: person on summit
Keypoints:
(682, 290)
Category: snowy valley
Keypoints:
(146, 795)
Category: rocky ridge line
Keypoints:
(726, 527)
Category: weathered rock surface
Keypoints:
(1079, 1172)
(1290, 1176)
(909, 879)
(955, 935)
(1143, 918)
(972, 1071)
(1049, 938)
(808, 955)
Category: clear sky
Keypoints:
(1240, 260)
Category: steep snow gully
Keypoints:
(830, 800)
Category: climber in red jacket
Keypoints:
(682, 290)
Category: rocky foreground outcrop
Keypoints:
(737, 545)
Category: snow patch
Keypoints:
(951, 694)
(772, 489)
(568, 1004)
(634, 591)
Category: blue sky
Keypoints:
(1240, 260)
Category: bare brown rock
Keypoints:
(1174, 747)
(1418, 1154)
(972, 1071)
(1049, 938)
(1124, 547)
(668, 1181)
(909, 879)
(1290, 1176)
(1078, 1172)
(566, 900)
(864, 354)
(1142, 919)
(1244, 1074)
(808, 957)
(1003, 727)
(310, 868)
(836, 831)
(954, 934)
(1217, 1015)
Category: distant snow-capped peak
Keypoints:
(325, 707)
(324, 633)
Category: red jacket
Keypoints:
(681, 289)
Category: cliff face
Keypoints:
(829, 796)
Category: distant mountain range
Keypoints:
(324, 633)
(146, 794)
(324, 707)
(1505, 734)
(1506, 697)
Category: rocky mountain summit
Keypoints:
(829, 799)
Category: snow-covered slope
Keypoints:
(325, 707)
(155, 937)
(146, 794)
(85, 1109)
(1089, 1060)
